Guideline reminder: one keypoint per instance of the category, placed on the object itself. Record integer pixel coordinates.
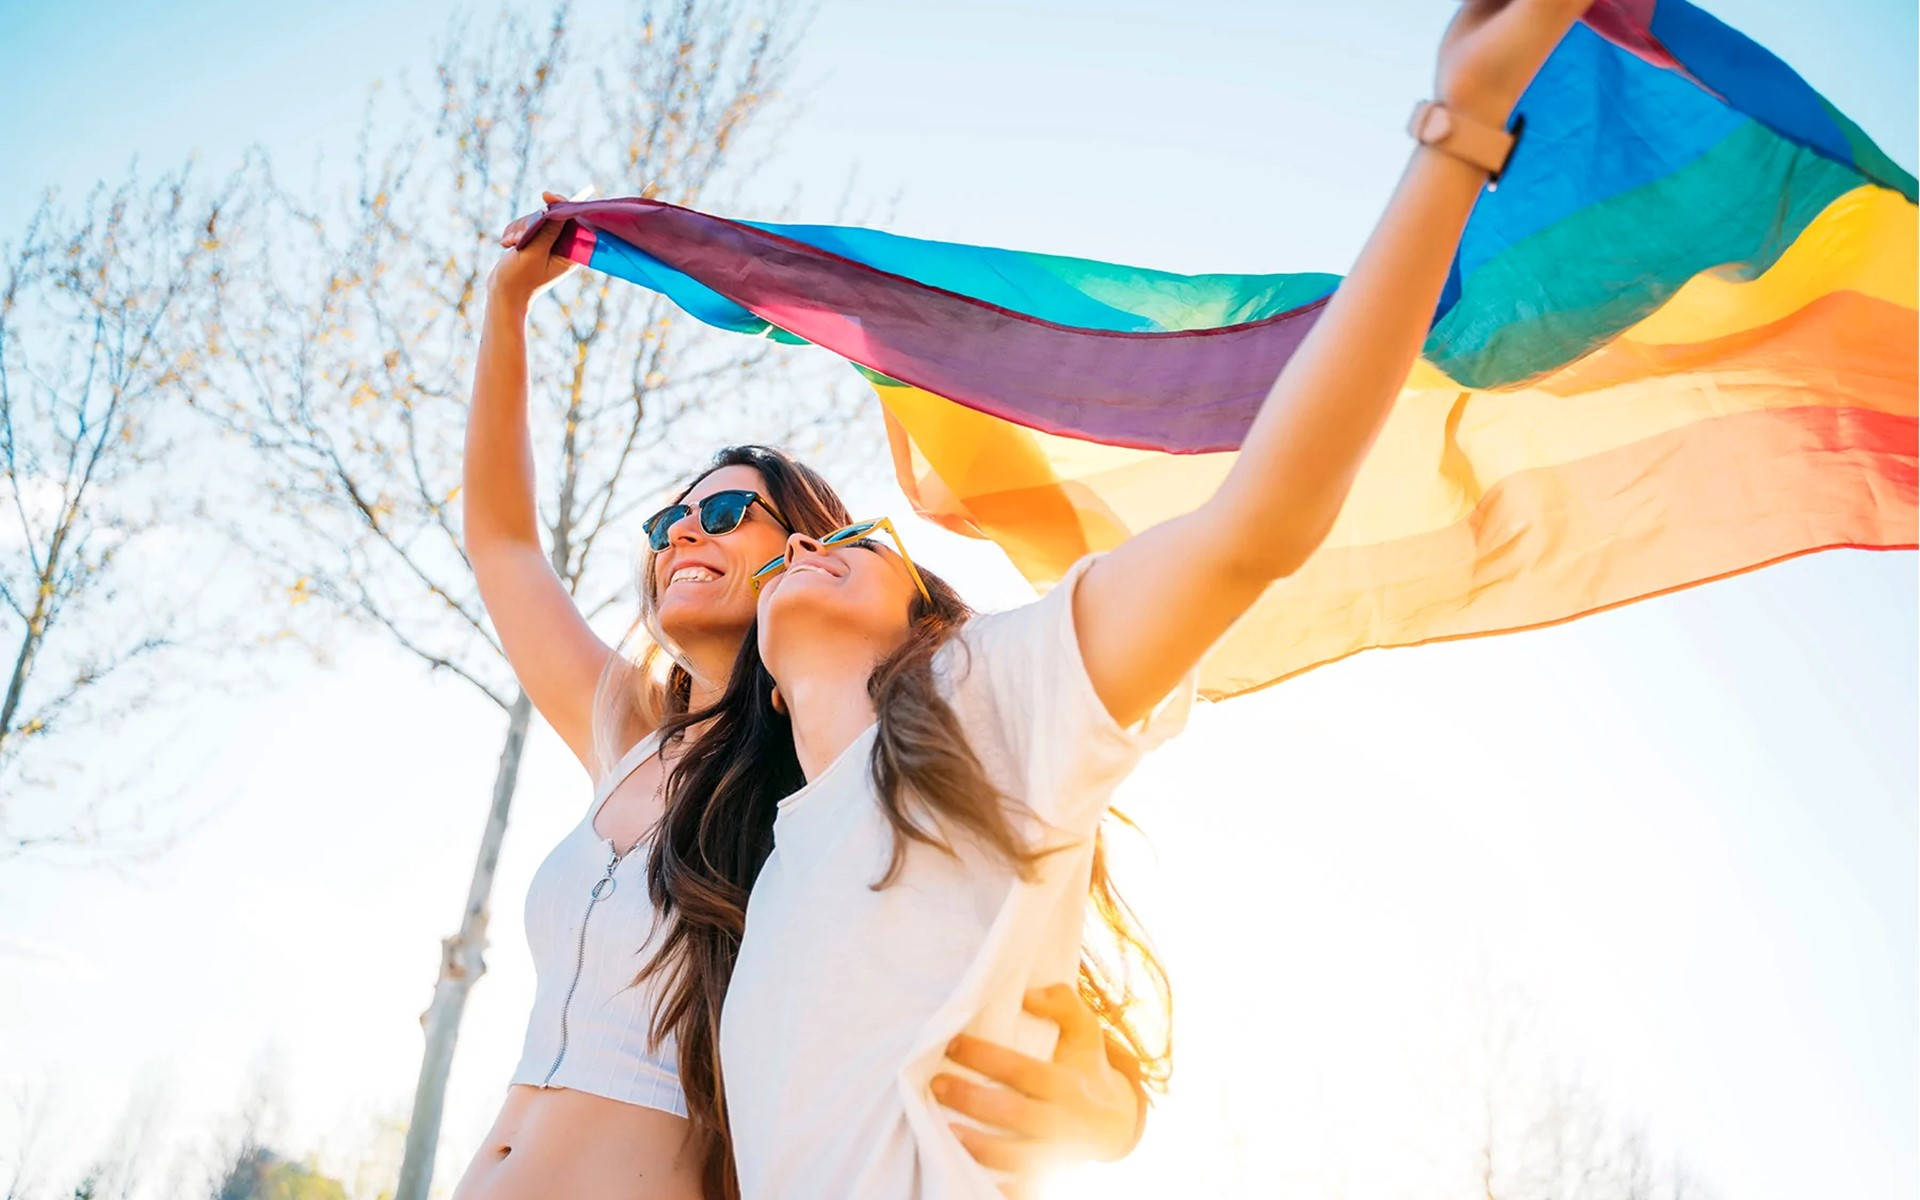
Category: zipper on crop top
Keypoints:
(602, 888)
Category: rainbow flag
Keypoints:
(1678, 342)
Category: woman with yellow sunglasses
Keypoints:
(930, 866)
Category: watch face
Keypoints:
(1437, 127)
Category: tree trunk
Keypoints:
(461, 963)
(23, 665)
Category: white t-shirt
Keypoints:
(844, 997)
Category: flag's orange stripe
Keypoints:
(1698, 503)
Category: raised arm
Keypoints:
(554, 653)
(1147, 611)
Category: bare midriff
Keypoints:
(559, 1142)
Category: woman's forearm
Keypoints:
(1149, 609)
(498, 483)
(1306, 445)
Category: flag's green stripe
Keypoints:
(1561, 292)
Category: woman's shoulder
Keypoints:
(1024, 630)
(626, 764)
(1000, 658)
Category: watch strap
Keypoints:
(1470, 141)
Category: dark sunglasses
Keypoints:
(720, 513)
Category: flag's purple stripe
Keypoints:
(1186, 392)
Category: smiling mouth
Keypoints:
(693, 575)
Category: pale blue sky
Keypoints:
(1687, 829)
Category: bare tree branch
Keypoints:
(1544, 1133)
(95, 338)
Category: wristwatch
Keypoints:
(1470, 141)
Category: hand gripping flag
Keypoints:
(1677, 342)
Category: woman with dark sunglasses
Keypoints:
(953, 769)
(597, 1109)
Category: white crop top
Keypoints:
(590, 926)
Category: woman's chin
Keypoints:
(825, 617)
(803, 603)
(687, 614)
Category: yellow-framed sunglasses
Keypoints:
(847, 535)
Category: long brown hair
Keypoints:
(721, 799)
